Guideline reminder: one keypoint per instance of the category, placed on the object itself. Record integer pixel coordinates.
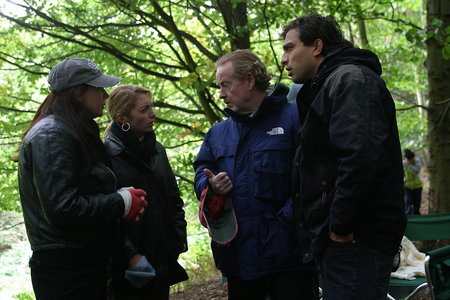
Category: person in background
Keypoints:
(145, 264)
(243, 180)
(413, 184)
(68, 192)
(294, 89)
(348, 179)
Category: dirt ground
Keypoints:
(212, 289)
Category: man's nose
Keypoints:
(284, 59)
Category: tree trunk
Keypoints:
(234, 14)
(350, 32)
(420, 98)
(438, 70)
(361, 27)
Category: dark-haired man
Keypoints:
(348, 200)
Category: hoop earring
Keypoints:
(126, 127)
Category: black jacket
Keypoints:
(348, 175)
(161, 234)
(68, 199)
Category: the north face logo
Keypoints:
(276, 131)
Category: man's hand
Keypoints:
(341, 238)
(220, 183)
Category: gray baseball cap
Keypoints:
(75, 71)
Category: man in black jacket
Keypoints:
(348, 193)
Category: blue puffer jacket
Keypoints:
(256, 151)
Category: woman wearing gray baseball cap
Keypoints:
(70, 201)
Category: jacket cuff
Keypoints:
(126, 196)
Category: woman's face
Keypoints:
(142, 116)
(94, 100)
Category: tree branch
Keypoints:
(182, 144)
(12, 226)
(21, 67)
(16, 109)
(177, 108)
(392, 20)
(279, 68)
(412, 107)
(183, 178)
(106, 47)
(177, 124)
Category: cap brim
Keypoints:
(139, 279)
(141, 274)
(104, 81)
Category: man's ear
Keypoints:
(251, 80)
(318, 47)
(121, 118)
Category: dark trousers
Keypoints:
(413, 197)
(124, 290)
(69, 274)
(354, 271)
(279, 286)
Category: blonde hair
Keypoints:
(245, 62)
(122, 100)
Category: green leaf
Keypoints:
(411, 34)
(436, 22)
(188, 80)
(446, 52)
(429, 34)
(447, 30)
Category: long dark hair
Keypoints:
(66, 106)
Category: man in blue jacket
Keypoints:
(348, 185)
(245, 163)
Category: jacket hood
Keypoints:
(345, 56)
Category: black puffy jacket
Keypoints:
(161, 233)
(348, 175)
(68, 199)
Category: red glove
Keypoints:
(137, 202)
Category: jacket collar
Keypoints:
(267, 106)
(115, 145)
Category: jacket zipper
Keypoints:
(114, 175)
(324, 197)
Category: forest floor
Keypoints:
(212, 289)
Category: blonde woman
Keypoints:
(146, 260)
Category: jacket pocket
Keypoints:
(277, 244)
(272, 167)
(316, 211)
(224, 155)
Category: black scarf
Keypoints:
(143, 148)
